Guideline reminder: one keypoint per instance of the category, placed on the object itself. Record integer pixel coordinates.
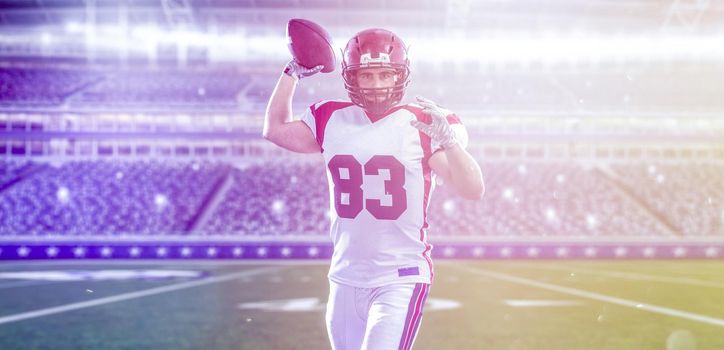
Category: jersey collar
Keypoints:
(376, 118)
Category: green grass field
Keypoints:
(631, 304)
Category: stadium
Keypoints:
(141, 208)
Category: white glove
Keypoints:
(297, 71)
(439, 130)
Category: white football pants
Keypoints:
(383, 318)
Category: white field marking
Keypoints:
(540, 303)
(286, 305)
(435, 304)
(701, 270)
(128, 296)
(600, 297)
(636, 276)
(314, 304)
(99, 275)
(18, 284)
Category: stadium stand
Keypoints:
(187, 89)
(557, 199)
(47, 87)
(10, 172)
(690, 197)
(223, 89)
(272, 200)
(41, 87)
(542, 199)
(103, 198)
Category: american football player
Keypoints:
(381, 159)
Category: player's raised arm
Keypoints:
(312, 51)
(454, 164)
(279, 126)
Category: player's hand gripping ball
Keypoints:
(311, 47)
(439, 130)
(297, 71)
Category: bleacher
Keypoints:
(78, 88)
(41, 87)
(285, 199)
(225, 88)
(105, 198)
(541, 199)
(291, 199)
(690, 197)
(170, 89)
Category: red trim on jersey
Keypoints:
(426, 143)
(453, 119)
(376, 118)
(322, 115)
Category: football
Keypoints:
(310, 44)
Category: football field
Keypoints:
(523, 304)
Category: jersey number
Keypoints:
(352, 186)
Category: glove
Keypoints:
(439, 130)
(297, 71)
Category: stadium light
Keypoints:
(522, 169)
(63, 195)
(497, 47)
(563, 47)
(660, 178)
(278, 206)
(46, 38)
(551, 214)
(111, 30)
(147, 33)
(508, 193)
(268, 45)
(591, 221)
(652, 169)
(449, 207)
(187, 38)
(73, 27)
(160, 200)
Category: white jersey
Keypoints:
(379, 188)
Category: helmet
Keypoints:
(375, 48)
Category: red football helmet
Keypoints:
(375, 48)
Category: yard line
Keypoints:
(131, 295)
(634, 276)
(17, 284)
(708, 268)
(540, 303)
(596, 296)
